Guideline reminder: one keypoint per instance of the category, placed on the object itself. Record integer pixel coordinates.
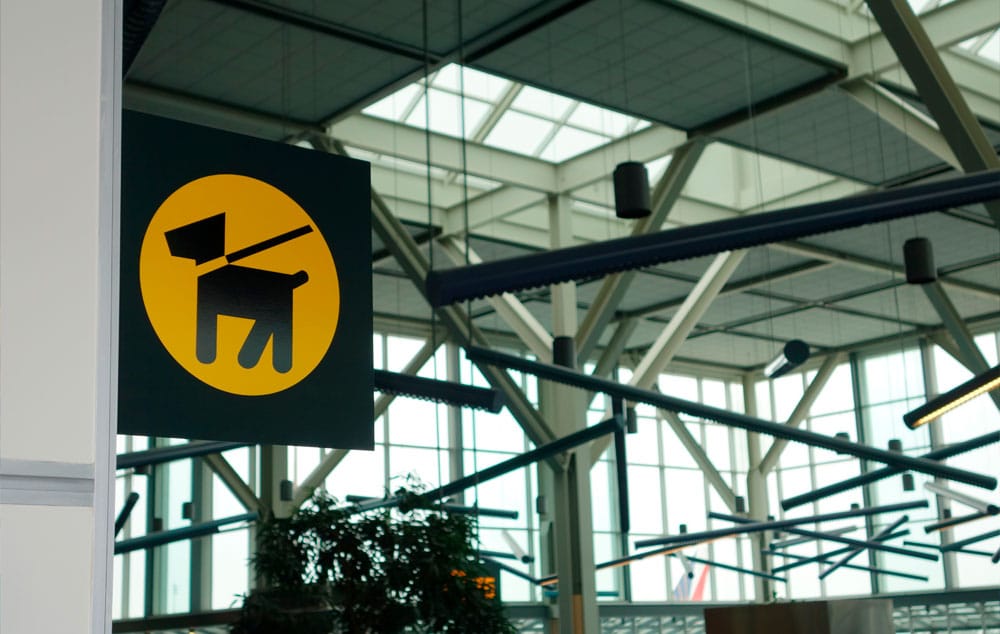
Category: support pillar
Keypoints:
(60, 101)
(201, 549)
(456, 442)
(757, 498)
(937, 89)
(937, 441)
(564, 408)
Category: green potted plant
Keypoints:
(329, 569)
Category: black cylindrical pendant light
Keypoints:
(793, 354)
(918, 257)
(631, 190)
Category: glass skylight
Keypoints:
(532, 122)
(518, 132)
(985, 45)
(570, 141)
(446, 115)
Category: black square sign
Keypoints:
(246, 305)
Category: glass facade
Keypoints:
(417, 441)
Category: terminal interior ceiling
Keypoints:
(493, 129)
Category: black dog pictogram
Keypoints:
(264, 296)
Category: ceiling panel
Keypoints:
(739, 306)
(763, 262)
(654, 59)
(830, 282)
(901, 303)
(398, 296)
(647, 289)
(727, 349)
(832, 132)
(401, 21)
(234, 57)
(954, 241)
(820, 327)
(988, 275)
(910, 304)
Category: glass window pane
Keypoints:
(569, 141)
(519, 133)
(541, 103)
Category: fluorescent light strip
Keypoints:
(980, 505)
(932, 409)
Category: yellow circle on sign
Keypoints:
(239, 284)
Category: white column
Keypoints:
(60, 86)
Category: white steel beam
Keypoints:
(416, 267)
(401, 185)
(901, 115)
(937, 89)
(489, 207)
(316, 477)
(969, 354)
(646, 145)
(944, 26)
(564, 321)
(508, 307)
(867, 264)
(686, 318)
(446, 152)
(914, 48)
(700, 457)
(240, 489)
(810, 25)
(973, 75)
(801, 410)
(614, 287)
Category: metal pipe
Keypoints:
(732, 419)
(530, 457)
(513, 571)
(872, 543)
(130, 502)
(936, 547)
(159, 455)
(968, 500)
(457, 509)
(954, 521)
(825, 558)
(180, 534)
(846, 559)
(971, 540)
(621, 470)
(805, 540)
(743, 571)
(444, 287)
(833, 553)
(624, 561)
(885, 472)
(755, 527)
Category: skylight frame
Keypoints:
(404, 106)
